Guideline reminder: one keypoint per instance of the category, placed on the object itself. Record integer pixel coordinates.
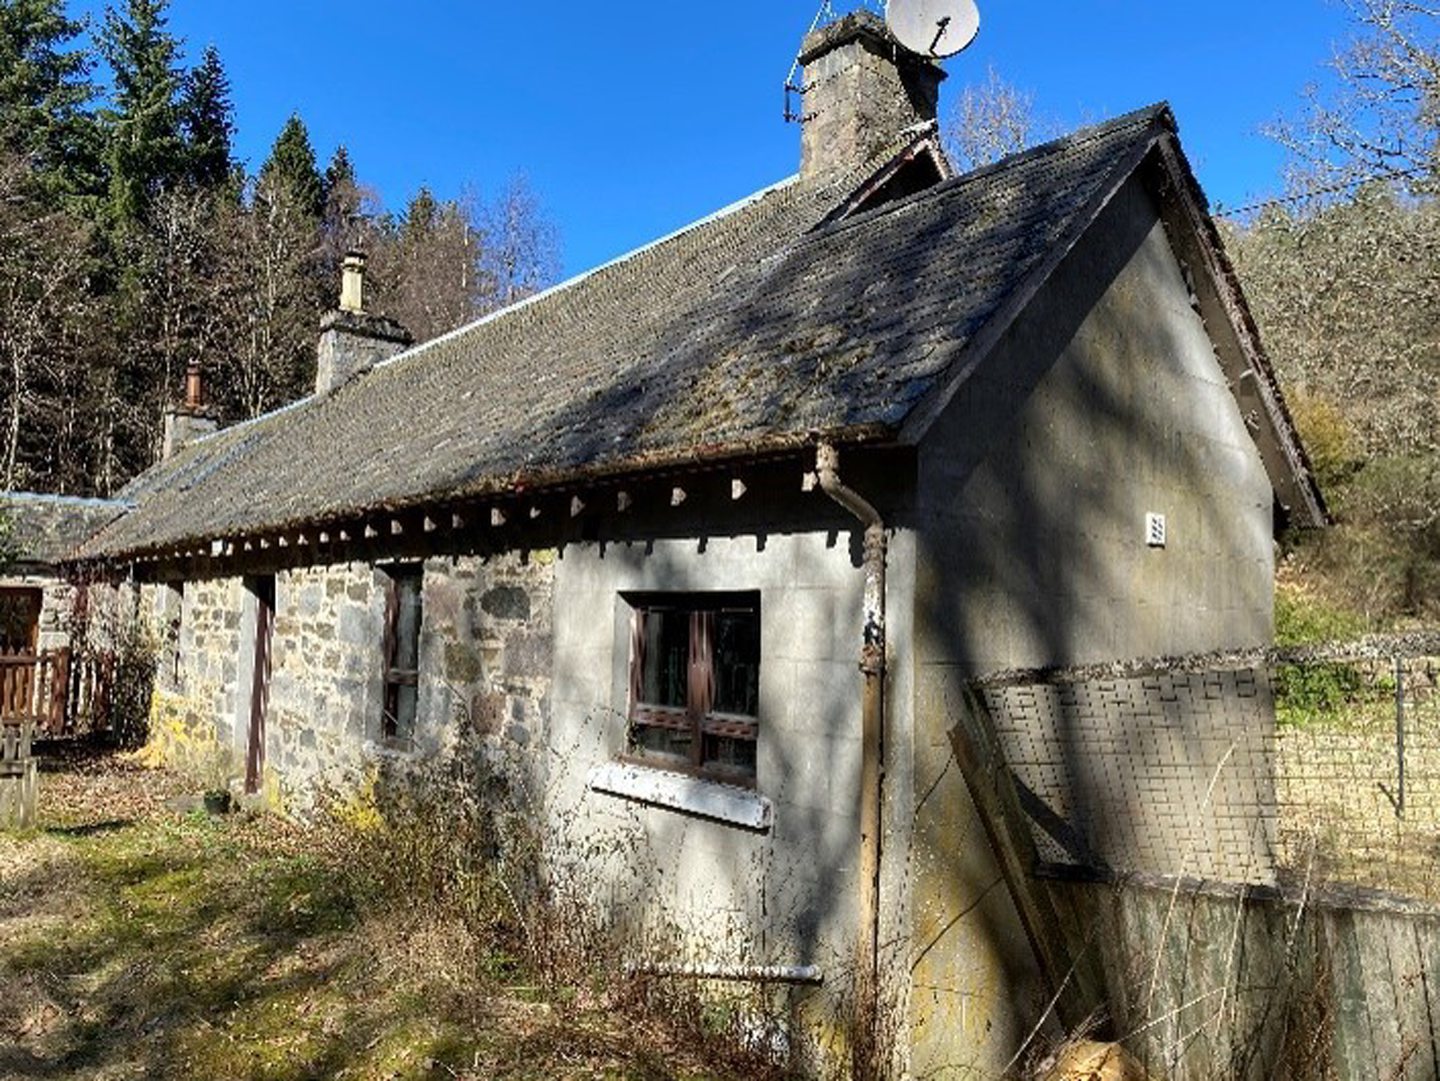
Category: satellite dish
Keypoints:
(933, 28)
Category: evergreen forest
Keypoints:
(133, 243)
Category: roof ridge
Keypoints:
(1158, 111)
(1148, 114)
(66, 500)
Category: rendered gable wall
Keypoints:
(1102, 403)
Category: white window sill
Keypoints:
(681, 792)
(405, 752)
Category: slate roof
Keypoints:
(47, 529)
(762, 325)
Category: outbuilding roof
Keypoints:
(46, 530)
(768, 325)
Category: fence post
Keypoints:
(59, 690)
(1400, 735)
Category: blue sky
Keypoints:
(632, 120)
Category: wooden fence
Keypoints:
(18, 775)
(60, 692)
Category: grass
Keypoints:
(143, 942)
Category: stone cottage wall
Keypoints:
(198, 653)
(484, 670)
(686, 886)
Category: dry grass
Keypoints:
(145, 943)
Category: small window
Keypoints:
(695, 682)
(173, 601)
(402, 651)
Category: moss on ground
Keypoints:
(163, 945)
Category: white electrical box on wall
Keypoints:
(1155, 530)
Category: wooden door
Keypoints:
(262, 590)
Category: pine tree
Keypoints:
(344, 226)
(146, 152)
(290, 173)
(339, 174)
(44, 96)
(420, 217)
(206, 118)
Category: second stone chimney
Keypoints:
(189, 421)
(861, 89)
(351, 339)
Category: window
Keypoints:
(402, 651)
(695, 682)
(172, 602)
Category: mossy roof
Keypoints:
(770, 322)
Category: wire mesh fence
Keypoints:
(1315, 765)
(1357, 765)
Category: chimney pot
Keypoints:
(194, 389)
(352, 282)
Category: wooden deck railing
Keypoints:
(60, 692)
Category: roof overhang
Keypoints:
(495, 503)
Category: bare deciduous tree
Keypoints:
(42, 298)
(521, 250)
(990, 120)
(1382, 114)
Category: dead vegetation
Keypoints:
(142, 942)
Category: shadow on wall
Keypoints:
(1104, 403)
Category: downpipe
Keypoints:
(872, 727)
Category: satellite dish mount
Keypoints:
(934, 29)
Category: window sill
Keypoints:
(404, 750)
(681, 792)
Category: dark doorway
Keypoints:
(262, 592)
(19, 620)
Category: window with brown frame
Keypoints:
(402, 651)
(695, 682)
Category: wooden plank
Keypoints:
(1427, 949)
(1354, 1042)
(1076, 983)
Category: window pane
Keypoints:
(667, 742)
(407, 621)
(737, 663)
(402, 725)
(667, 657)
(730, 755)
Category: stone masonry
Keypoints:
(484, 664)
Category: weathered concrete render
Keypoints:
(1105, 403)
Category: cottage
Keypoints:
(709, 540)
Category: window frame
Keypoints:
(394, 677)
(698, 717)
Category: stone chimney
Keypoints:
(861, 90)
(351, 340)
(189, 421)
